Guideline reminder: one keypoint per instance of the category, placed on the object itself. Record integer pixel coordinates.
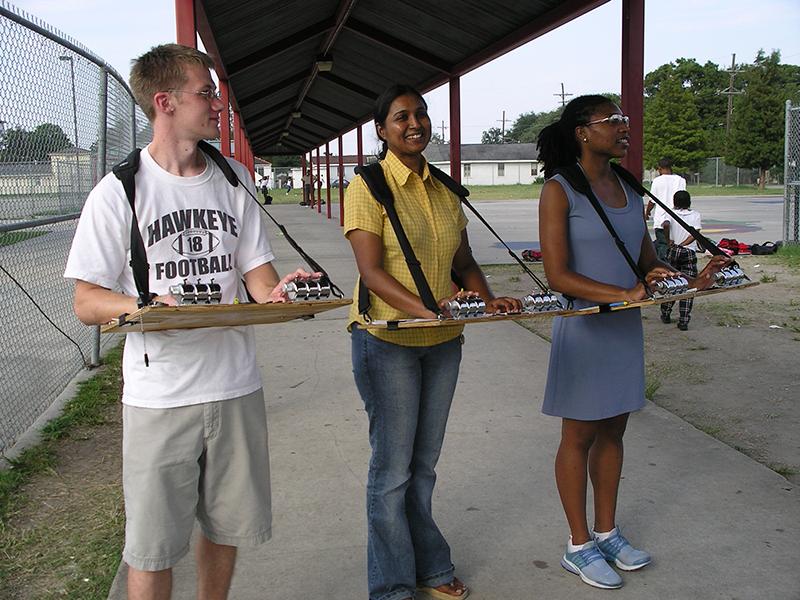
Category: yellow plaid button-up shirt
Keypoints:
(433, 220)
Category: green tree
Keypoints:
(757, 127)
(21, 145)
(528, 125)
(492, 136)
(283, 160)
(437, 139)
(672, 127)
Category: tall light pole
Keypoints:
(74, 121)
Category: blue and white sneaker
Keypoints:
(618, 550)
(591, 567)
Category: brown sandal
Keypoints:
(448, 591)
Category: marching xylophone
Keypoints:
(547, 304)
(199, 306)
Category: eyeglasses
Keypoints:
(615, 119)
(209, 95)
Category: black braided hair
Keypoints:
(384, 103)
(556, 143)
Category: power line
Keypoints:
(503, 130)
(730, 92)
(563, 95)
(443, 127)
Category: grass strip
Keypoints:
(62, 538)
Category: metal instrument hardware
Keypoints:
(311, 289)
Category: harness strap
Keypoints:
(125, 171)
(224, 166)
(462, 192)
(577, 179)
(631, 180)
(376, 182)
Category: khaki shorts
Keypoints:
(205, 461)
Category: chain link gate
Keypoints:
(791, 176)
(66, 117)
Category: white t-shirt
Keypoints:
(193, 228)
(664, 188)
(676, 231)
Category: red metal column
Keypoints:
(455, 128)
(319, 183)
(225, 119)
(311, 171)
(328, 176)
(360, 144)
(633, 81)
(237, 137)
(341, 183)
(185, 23)
(302, 178)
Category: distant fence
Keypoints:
(791, 176)
(66, 117)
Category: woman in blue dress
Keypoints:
(596, 373)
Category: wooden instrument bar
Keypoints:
(159, 318)
(589, 310)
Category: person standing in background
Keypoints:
(664, 188)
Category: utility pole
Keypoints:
(503, 130)
(443, 127)
(563, 95)
(730, 92)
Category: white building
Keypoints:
(490, 164)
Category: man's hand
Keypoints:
(278, 294)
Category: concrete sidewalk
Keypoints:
(718, 524)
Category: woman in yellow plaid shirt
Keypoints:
(407, 378)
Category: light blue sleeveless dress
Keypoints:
(597, 361)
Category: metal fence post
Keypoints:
(100, 171)
(71, 125)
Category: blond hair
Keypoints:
(161, 69)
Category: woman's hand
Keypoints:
(503, 304)
(635, 293)
(706, 277)
(659, 274)
(460, 295)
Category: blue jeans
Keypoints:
(407, 392)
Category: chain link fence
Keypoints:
(66, 117)
(791, 176)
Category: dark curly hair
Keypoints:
(556, 143)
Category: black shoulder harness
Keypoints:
(126, 170)
(376, 182)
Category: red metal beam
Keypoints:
(633, 81)
(225, 120)
(319, 183)
(455, 128)
(209, 42)
(341, 183)
(185, 30)
(237, 137)
(328, 176)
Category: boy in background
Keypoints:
(681, 252)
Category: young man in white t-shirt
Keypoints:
(664, 187)
(194, 422)
(681, 252)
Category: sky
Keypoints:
(584, 55)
